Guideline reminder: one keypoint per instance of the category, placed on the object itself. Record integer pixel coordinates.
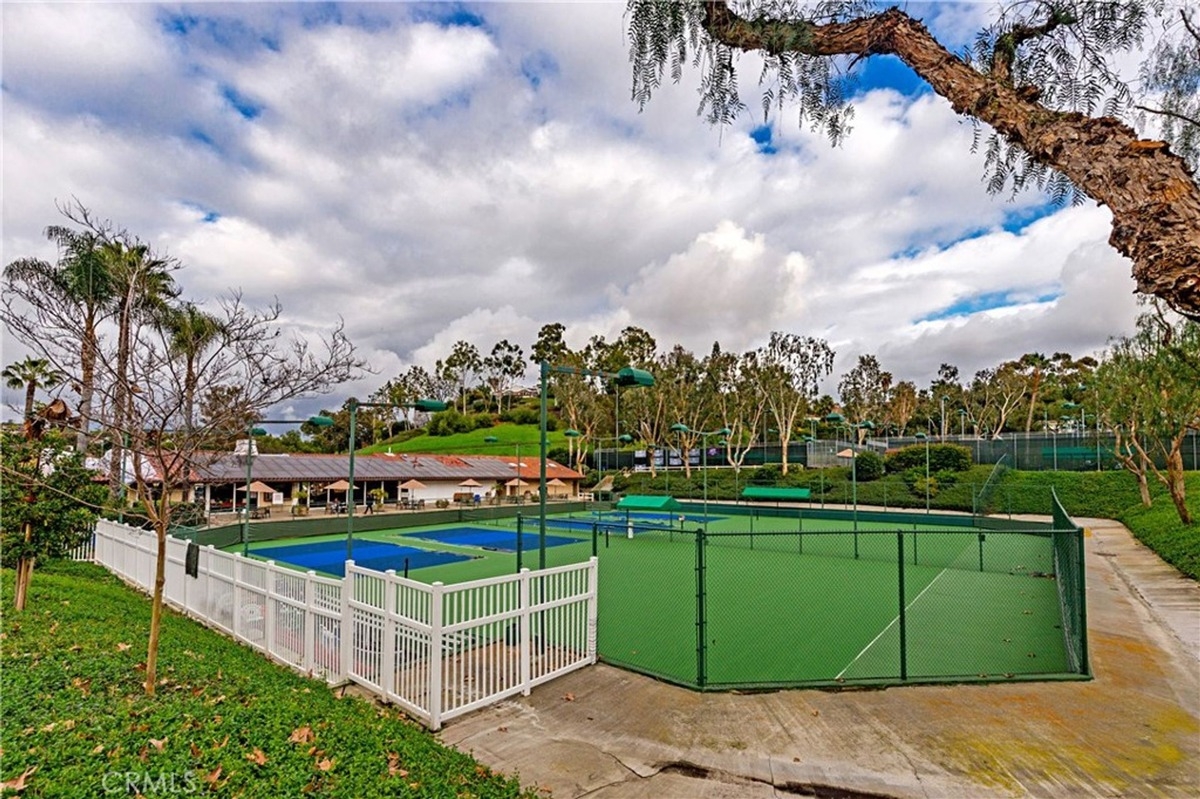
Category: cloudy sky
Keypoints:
(437, 172)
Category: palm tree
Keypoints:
(78, 286)
(30, 374)
(144, 287)
(191, 332)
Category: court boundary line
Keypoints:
(893, 621)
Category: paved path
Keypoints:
(1133, 731)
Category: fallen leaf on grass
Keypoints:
(159, 743)
(84, 686)
(99, 748)
(222, 744)
(53, 628)
(18, 784)
(212, 776)
(121, 647)
(258, 757)
(50, 727)
(194, 750)
(301, 735)
(394, 769)
(325, 765)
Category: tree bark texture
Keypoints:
(1154, 199)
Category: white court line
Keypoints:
(893, 621)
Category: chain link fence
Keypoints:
(821, 602)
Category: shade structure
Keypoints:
(340, 485)
(257, 488)
(469, 483)
(517, 482)
(412, 485)
(555, 482)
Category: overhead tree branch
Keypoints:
(1154, 199)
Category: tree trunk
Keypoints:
(87, 381)
(1155, 202)
(160, 579)
(1176, 485)
(1144, 489)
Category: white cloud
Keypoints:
(430, 183)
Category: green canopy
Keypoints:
(772, 494)
(648, 502)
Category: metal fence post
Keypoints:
(701, 621)
(903, 620)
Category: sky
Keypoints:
(440, 172)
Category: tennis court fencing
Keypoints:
(437, 651)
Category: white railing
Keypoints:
(437, 651)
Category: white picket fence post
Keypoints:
(526, 636)
(593, 607)
(436, 655)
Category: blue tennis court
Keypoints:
(330, 556)
(490, 538)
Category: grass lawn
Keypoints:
(510, 437)
(76, 722)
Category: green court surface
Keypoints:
(801, 601)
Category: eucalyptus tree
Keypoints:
(1033, 365)
(1042, 77)
(29, 375)
(787, 371)
(901, 406)
(739, 403)
(1171, 76)
(461, 367)
(864, 391)
(502, 367)
(58, 308)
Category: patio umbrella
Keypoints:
(469, 483)
(412, 485)
(340, 485)
(517, 483)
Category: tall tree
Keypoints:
(460, 367)
(504, 365)
(1151, 381)
(864, 392)
(1041, 76)
(30, 375)
(58, 308)
(192, 333)
(1034, 366)
(787, 371)
(258, 367)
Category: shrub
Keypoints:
(522, 414)
(482, 421)
(942, 457)
(869, 466)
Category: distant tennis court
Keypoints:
(330, 556)
(489, 538)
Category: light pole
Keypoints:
(926, 440)
(704, 435)
(624, 377)
(962, 423)
(850, 453)
(942, 431)
(251, 431)
(427, 405)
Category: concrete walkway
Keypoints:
(1133, 731)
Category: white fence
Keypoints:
(437, 651)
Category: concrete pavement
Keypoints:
(1133, 731)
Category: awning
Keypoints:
(646, 502)
(256, 488)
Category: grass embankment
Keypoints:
(225, 720)
(510, 437)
